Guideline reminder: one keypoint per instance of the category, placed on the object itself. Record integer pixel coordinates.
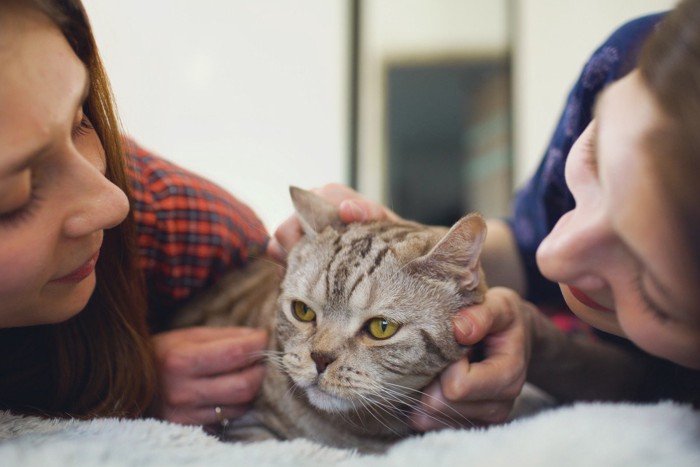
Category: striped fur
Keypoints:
(415, 275)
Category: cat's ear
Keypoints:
(457, 253)
(315, 213)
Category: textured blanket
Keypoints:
(664, 434)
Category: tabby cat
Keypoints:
(360, 322)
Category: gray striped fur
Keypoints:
(416, 275)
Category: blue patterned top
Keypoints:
(545, 198)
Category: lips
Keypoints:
(81, 272)
(588, 301)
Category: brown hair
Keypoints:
(670, 67)
(100, 362)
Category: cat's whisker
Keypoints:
(266, 353)
(396, 402)
(269, 260)
(370, 409)
(256, 356)
(444, 418)
(347, 417)
(357, 412)
(292, 390)
(410, 401)
(271, 356)
(418, 401)
(351, 275)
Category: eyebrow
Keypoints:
(22, 164)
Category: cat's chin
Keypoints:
(327, 402)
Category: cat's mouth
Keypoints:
(325, 401)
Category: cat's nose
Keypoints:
(322, 360)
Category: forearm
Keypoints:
(576, 368)
(500, 258)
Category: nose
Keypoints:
(577, 250)
(97, 204)
(322, 360)
(579, 244)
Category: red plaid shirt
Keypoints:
(190, 231)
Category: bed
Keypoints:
(591, 434)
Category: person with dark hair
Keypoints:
(612, 219)
(100, 241)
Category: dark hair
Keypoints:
(670, 67)
(100, 362)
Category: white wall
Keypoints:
(252, 94)
(552, 41)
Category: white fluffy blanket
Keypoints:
(664, 434)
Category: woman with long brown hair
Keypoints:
(84, 280)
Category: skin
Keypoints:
(56, 201)
(616, 243)
(55, 204)
(619, 246)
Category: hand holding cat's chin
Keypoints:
(483, 392)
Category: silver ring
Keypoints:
(223, 421)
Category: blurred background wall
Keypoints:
(431, 106)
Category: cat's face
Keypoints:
(365, 313)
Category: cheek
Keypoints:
(677, 342)
(21, 284)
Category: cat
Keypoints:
(360, 321)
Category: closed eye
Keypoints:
(24, 212)
(83, 128)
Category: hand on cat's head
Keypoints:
(352, 207)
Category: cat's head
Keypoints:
(366, 309)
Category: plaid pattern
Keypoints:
(190, 231)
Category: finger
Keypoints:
(436, 412)
(464, 415)
(352, 206)
(361, 209)
(197, 334)
(335, 193)
(216, 356)
(353, 211)
(496, 377)
(496, 314)
(286, 236)
(235, 388)
(276, 251)
(204, 415)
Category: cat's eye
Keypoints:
(302, 312)
(381, 328)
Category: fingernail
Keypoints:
(464, 325)
(358, 214)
